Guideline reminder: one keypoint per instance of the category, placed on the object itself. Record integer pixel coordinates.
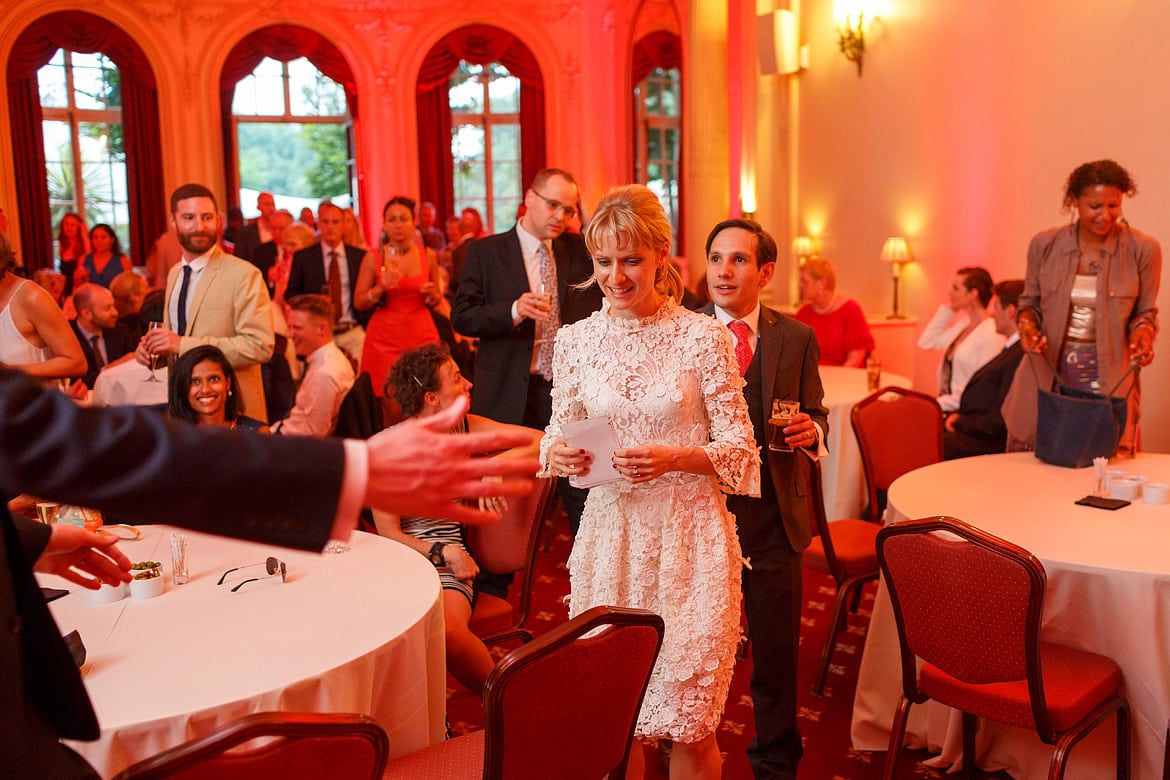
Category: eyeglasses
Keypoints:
(556, 205)
(273, 566)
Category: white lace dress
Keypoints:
(668, 545)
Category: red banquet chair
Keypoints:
(968, 606)
(307, 745)
(846, 550)
(563, 706)
(897, 431)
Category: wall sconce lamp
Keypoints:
(804, 248)
(896, 252)
(850, 16)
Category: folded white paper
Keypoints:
(594, 435)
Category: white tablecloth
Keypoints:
(1108, 592)
(841, 472)
(355, 632)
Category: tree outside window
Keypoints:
(485, 142)
(658, 138)
(85, 161)
(293, 135)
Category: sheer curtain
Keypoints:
(82, 32)
(478, 44)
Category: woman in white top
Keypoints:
(35, 337)
(964, 331)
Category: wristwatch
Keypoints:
(435, 555)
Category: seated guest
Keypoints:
(126, 382)
(103, 339)
(203, 391)
(106, 260)
(978, 427)
(964, 332)
(53, 282)
(129, 289)
(426, 381)
(328, 373)
(34, 335)
(838, 322)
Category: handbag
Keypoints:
(1075, 426)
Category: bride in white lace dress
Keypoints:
(661, 538)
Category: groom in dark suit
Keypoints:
(499, 301)
(778, 359)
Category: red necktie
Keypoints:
(743, 345)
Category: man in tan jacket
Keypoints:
(214, 298)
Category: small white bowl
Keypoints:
(108, 594)
(1125, 489)
(1156, 493)
(146, 589)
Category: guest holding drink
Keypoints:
(202, 391)
(660, 537)
(1089, 304)
(399, 281)
(963, 330)
(842, 332)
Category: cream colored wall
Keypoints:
(582, 49)
(961, 132)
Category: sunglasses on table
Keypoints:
(273, 566)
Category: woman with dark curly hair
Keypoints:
(426, 381)
(106, 260)
(1089, 305)
(202, 391)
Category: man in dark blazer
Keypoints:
(310, 274)
(978, 427)
(258, 232)
(778, 358)
(500, 303)
(293, 491)
(97, 318)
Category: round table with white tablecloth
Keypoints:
(1108, 592)
(841, 471)
(360, 631)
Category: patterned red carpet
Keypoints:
(824, 721)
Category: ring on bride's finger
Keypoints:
(635, 471)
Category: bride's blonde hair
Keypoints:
(632, 216)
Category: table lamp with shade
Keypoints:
(896, 252)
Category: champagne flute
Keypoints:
(154, 357)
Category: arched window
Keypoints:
(657, 82)
(89, 73)
(479, 82)
(292, 133)
(287, 84)
(85, 159)
(485, 142)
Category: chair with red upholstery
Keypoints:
(564, 705)
(846, 551)
(508, 547)
(307, 745)
(968, 607)
(897, 431)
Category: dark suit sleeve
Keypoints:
(296, 276)
(482, 306)
(979, 408)
(145, 468)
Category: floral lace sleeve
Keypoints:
(732, 450)
(566, 399)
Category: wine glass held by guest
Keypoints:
(661, 537)
(72, 246)
(1090, 301)
(35, 337)
(399, 281)
(842, 332)
(425, 381)
(963, 330)
(202, 391)
(106, 260)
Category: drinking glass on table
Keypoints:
(782, 414)
(155, 357)
(336, 548)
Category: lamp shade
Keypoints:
(896, 250)
(803, 246)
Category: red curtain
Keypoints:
(282, 42)
(661, 49)
(478, 44)
(82, 32)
